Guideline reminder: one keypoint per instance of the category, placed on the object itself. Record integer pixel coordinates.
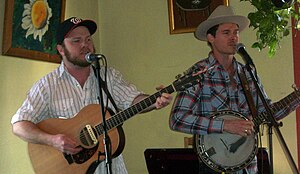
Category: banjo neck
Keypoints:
(283, 103)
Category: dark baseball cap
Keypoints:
(68, 25)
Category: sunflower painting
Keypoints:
(31, 32)
(36, 17)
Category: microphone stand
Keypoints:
(272, 123)
(106, 139)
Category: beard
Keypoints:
(75, 60)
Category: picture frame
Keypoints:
(186, 15)
(30, 29)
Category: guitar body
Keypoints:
(226, 152)
(48, 160)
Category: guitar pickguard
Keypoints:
(82, 156)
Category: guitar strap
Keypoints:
(104, 87)
(246, 89)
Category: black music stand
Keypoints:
(185, 160)
(172, 161)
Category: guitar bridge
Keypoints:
(91, 133)
(211, 151)
(88, 137)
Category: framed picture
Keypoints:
(186, 15)
(30, 29)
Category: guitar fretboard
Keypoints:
(181, 83)
(124, 115)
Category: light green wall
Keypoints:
(134, 36)
(17, 75)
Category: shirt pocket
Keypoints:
(64, 108)
(219, 99)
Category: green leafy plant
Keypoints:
(271, 23)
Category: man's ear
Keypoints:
(210, 38)
(60, 50)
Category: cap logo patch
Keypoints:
(75, 20)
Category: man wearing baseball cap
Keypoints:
(195, 110)
(62, 94)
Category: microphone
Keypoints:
(89, 57)
(240, 48)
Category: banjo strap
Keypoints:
(247, 92)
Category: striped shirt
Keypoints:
(193, 108)
(59, 95)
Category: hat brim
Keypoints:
(203, 27)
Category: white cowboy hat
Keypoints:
(222, 14)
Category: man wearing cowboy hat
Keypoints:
(220, 89)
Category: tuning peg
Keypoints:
(178, 76)
(294, 87)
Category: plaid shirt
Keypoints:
(193, 108)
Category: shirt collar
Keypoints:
(212, 61)
(63, 70)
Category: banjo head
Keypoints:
(226, 152)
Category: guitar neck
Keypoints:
(180, 84)
(276, 107)
(124, 115)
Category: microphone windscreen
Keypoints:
(239, 46)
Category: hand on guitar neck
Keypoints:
(162, 101)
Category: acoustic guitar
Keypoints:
(86, 127)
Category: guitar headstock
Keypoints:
(294, 86)
(296, 89)
(188, 80)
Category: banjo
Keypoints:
(230, 152)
